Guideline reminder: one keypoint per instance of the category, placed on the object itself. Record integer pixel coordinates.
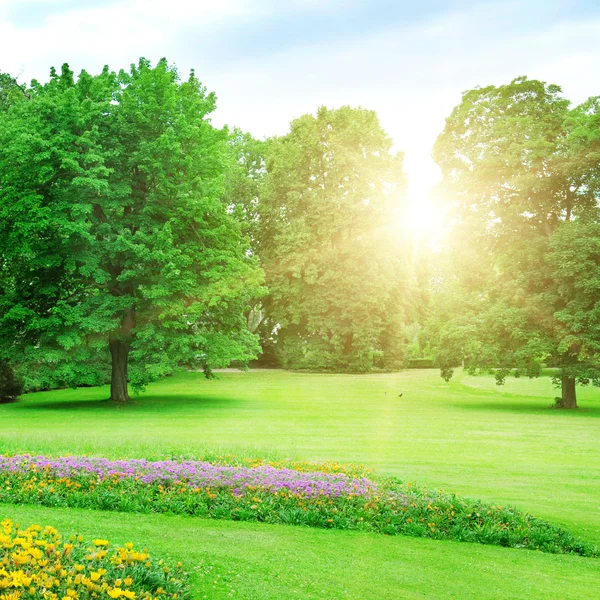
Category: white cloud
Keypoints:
(412, 74)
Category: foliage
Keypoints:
(114, 234)
(11, 386)
(336, 268)
(246, 170)
(281, 414)
(420, 363)
(243, 189)
(275, 495)
(36, 563)
(512, 161)
(251, 560)
(11, 92)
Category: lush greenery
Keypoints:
(113, 233)
(521, 286)
(11, 386)
(249, 560)
(493, 442)
(37, 563)
(136, 238)
(130, 223)
(337, 271)
(478, 429)
(264, 493)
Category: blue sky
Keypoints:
(270, 61)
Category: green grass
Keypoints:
(499, 444)
(271, 562)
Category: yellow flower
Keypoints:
(95, 575)
(39, 563)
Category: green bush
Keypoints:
(11, 386)
(420, 363)
(336, 499)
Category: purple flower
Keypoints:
(196, 474)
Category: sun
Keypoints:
(424, 217)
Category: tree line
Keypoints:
(136, 237)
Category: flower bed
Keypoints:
(274, 493)
(36, 563)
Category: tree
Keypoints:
(334, 257)
(243, 186)
(11, 91)
(512, 158)
(245, 175)
(114, 234)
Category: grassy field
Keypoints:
(500, 444)
(272, 562)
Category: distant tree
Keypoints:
(244, 179)
(519, 181)
(113, 232)
(243, 188)
(335, 259)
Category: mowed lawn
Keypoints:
(471, 437)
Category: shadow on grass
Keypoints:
(150, 403)
(525, 408)
(65, 405)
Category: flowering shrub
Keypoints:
(36, 563)
(194, 474)
(274, 493)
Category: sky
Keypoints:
(270, 61)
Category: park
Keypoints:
(289, 363)
(469, 436)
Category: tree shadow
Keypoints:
(143, 402)
(154, 400)
(63, 405)
(525, 408)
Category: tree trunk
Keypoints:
(119, 351)
(569, 398)
(348, 343)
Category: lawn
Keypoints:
(272, 562)
(500, 444)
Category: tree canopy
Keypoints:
(131, 227)
(521, 182)
(114, 234)
(335, 261)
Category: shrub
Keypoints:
(11, 386)
(420, 363)
(274, 493)
(37, 563)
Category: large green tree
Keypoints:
(519, 178)
(113, 232)
(335, 260)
